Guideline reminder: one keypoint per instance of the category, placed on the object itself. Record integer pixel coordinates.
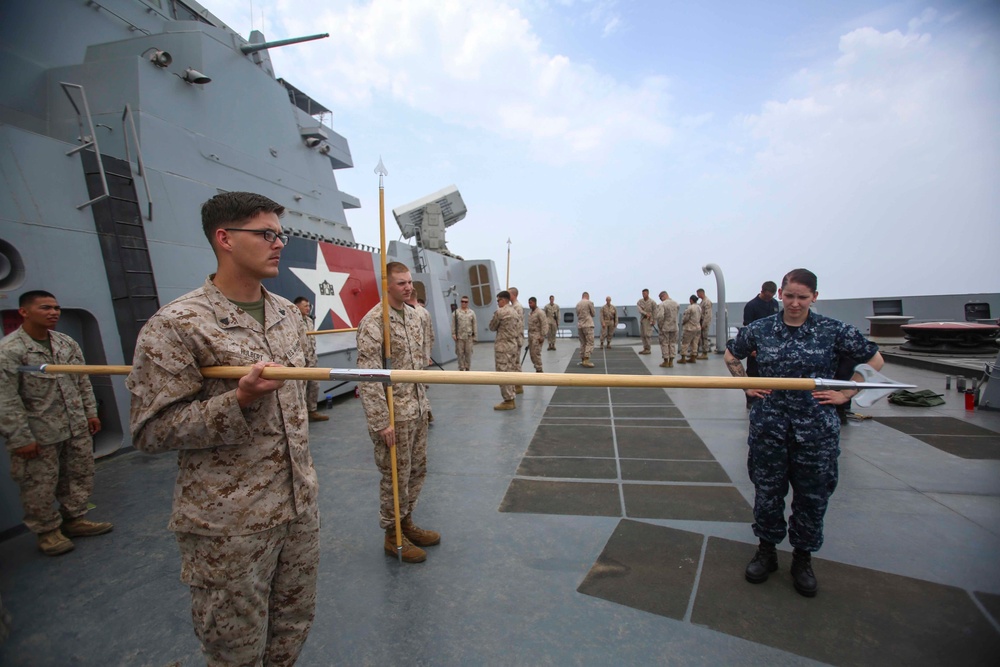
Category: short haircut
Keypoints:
(701, 290)
(645, 289)
(552, 296)
(234, 208)
(531, 298)
(300, 299)
(513, 290)
(421, 302)
(803, 277)
(663, 294)
(586, 295)
(465, 297)
(29, 298)
(503, 294)
(693, 299)
(396, 267)
(769, 287)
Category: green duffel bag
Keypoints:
(925, 398)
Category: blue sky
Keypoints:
(623, 145)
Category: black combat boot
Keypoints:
(764, 562)
(802, 573)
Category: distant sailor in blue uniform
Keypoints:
(795, 435)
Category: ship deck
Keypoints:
(589, 526)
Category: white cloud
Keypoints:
(477, 65)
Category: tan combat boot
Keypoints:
(682, 359)
(691, 360)
(703, 355)
(318, 417)
(419, 536)
(587, 363)
(411, 552)
(670, 362)
(664, 364)
(505, 405)
(54, 543)
(80, 527)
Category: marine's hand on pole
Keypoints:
(253, 387)
(388, 436)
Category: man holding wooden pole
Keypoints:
(408, 433)
(246, 512)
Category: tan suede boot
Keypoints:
(586, 363)
(682, 359)
(419, 536)
(505, 405)
(318, 417)
(691, 360)
(670, 362)
(411, 552)
(80, 527)
(54, 543)
(664, 364)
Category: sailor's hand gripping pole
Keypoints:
(387, 362)
(390, 376)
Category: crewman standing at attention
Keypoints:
(464, 331)
(609, 321)
(666, 321)
(48, 421)
(508, 325)
(312, 387)
(246, 499)
(690, 331)
(585, 326)
(646, 312)
(410, 410)
(706, 322)
(518, 389)
(538, 326)
(552, 313)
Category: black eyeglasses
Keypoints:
(269, 234)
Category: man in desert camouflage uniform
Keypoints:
(408, 431)
(690, 331)
(538, 326)
(585, 329)
(518, 389)
(666, 321)
(609, 321)
(464, 331)
(552, 313)
(706, 322)
(508, 325)
(48, 421)
(312, 387)
(646, 313)
(245, 510)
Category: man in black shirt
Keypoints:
(761, 306)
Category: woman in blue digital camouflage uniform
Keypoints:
(795, 435)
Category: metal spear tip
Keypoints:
(32, 369)
(380, 168)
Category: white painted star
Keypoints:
(326, 286)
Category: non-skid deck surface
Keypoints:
(620, 452)
(859, 617)
(949, 434)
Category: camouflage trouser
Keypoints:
(463, 350)
(507, 361)
(253, 597)
(703, 345)
(774, 462)
(607, 332)
(535, 351)
(312, 395)
(520, 353)
(411, 468)
(62, 472)
(586, 342)
(553, 327)
(646, 331)
(689, 342)
(668, 343)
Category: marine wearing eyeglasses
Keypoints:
(245, 510)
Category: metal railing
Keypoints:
(127, 115)
(88, 140)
